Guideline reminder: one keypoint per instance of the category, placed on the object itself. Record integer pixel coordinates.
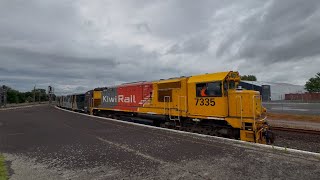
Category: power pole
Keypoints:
(5, 91)
(34, 94)
(39, 95)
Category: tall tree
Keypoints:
(14, 96)
(249, 78)
(313, 85)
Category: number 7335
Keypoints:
(205, 102)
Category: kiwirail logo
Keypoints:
(119, 98)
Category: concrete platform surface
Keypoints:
(46, 143)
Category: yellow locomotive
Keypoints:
(209, 103)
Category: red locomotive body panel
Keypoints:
(132, 96)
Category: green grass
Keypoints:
(3, 169)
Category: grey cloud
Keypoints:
(284, 31)
(143, 27)
(78, 45)
(191, 45)
(46, 62)
(183, 17)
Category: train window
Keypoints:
(212, 89)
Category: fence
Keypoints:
(304, 97)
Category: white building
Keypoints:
(278, 90)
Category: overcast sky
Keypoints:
(79, 45)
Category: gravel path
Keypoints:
(295, 124)
(302, 141)
(46, 143)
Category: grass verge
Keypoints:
(3, 169)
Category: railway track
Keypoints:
(307, 131)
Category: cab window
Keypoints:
(211, 89)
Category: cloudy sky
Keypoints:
(78, 45)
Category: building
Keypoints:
(272, 91)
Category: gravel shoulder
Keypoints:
(46, 143)
(295, 140)
(295, 124)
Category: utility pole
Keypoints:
(34, 94)
(5, 91)
(39, 95)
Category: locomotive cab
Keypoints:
(218, 99)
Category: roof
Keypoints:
(208, 77)
(171, 80)
(133, 84)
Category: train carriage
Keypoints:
(68, 102)
(78, 102)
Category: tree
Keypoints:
(14, 96)
(248, 78)
(313, 85)
(39, 92)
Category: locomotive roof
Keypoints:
(209, 77)
(170, 80)
(100, 88)
(219, 76)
